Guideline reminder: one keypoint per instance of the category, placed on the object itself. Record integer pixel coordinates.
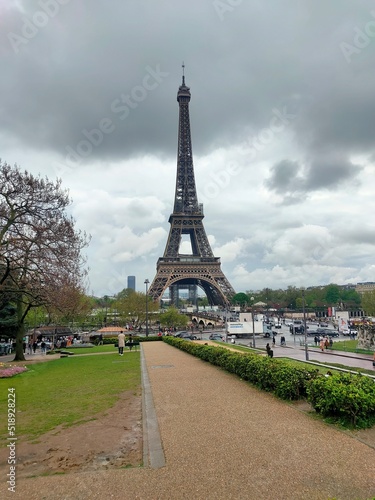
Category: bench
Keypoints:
(131, 345)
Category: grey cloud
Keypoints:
(292, 180)
(284, 177)
(257, 57)
(330, 174)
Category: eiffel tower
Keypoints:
(199, 269)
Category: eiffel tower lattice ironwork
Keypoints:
(200, 268)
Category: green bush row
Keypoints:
(345, 398)
(271, 375)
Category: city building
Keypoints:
(131, 282)
(367, 286)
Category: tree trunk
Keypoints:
(19, 343)
(20, 334)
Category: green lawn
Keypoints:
(349, 346)
(67, 391)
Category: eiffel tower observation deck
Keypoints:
(176, 271)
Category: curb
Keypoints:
(153, 453)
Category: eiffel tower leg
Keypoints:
(205, 275)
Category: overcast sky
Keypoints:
(282, 116)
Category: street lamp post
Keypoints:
(146, 283)
(304, 325)
(252, 318)
(226, 323)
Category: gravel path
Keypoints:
(223, 439)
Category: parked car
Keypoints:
(333, 333)
(297, 329)
(323, 325)
(312, 333)
(216, 336)
(184, 334)
(327, 332)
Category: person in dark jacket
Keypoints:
(269, 351)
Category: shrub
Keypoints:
(346, 398)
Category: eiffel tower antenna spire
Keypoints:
(199, 268)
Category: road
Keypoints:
(295, 349)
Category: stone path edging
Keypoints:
(153, 453)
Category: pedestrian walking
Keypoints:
(321, 344)
(130, 341)
(35, 345)
(121, 343)
(269, 351)
(273, 340)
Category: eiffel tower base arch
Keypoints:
(206, 275)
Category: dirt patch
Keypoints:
(112, 440)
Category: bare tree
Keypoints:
(40, 249)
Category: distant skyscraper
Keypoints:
(131, 282)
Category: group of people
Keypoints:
(282, 340)
(33, 346)
(323, 342)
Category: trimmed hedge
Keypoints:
(268, 374)
(344, 398)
